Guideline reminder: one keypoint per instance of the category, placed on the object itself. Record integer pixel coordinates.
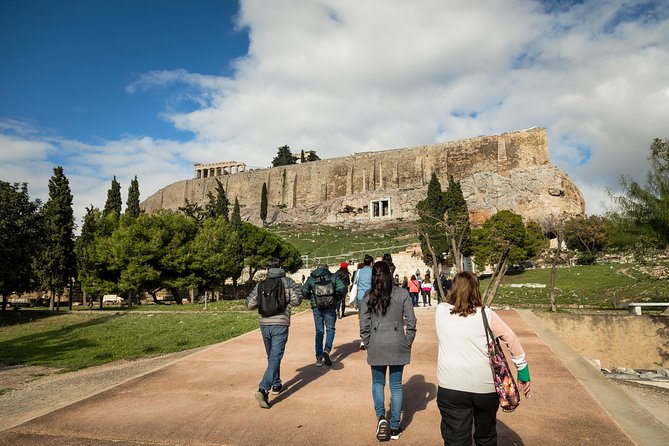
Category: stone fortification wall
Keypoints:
(507, 171)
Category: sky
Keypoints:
(146, 88)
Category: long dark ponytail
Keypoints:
(382, 287)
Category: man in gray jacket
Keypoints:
(274, 330)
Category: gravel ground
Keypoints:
(27, 392)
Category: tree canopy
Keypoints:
(132, 205)
(648, 204)
(284, 157)
(57, 262)
(586, 235)
(504, 240)
(20, 230)
(114, 202)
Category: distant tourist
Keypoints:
(426, 291)
(324, 290)
(466, 395)
(345, 277)
(273, 298)
(387, 329)
(389, 260)
(364, 281)
(414, 289)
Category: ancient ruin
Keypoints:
(218, 169)
(510, 171)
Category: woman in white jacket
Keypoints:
(466, 392)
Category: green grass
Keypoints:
(604, 286)
(84, 339)
(337, 243)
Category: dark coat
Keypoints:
(389, 338)
(317, 275)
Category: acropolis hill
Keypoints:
(510, 171)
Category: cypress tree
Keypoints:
(218, 205)
(263, 203)
(57, 260)
(430, 221)
(236, 219)
(132, 205)
(458, 215)
(302, 159)
(114, 202)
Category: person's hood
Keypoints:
(320, 272)
(276, 272)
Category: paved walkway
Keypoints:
(207, 399)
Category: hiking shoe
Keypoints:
(395, 433)
(261, 397)
(326, 359)
(277, 389)
(319, 362)
(382, 430)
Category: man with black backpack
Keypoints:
(273, 298)
(324, 290)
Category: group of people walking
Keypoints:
(466, 395)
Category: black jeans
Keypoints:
(341, 307)
(458, 410)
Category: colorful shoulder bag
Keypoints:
(507, 391)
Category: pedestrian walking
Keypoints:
(426, 291)
(345, 277)
(387, 329)
(363, 280)
(414, 289)
(273, 298)
(324, 290)
(466, 397)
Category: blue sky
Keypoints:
(149, 87)
(68, 63)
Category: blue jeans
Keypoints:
(275, 338)
(395, 384)
(324, 317)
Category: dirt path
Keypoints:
(27, 392)
(207, 398)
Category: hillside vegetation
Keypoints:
(334, 244)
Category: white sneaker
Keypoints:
(319, 362)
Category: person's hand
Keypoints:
(525, 387)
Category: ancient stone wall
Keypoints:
(508, 171)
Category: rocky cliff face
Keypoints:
(503, 172)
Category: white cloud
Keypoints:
(342, 76)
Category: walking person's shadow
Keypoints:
(417, 394)
(310, 372)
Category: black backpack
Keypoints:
(324, 291)
(271, 297)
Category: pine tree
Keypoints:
(57, 260)
(218, 205)
(132, 205)
(236, 218)
(312, 156)
(283, 157)
(114, 201)
(263, 204)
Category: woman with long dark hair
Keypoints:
(387, 329)
(466, 394)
